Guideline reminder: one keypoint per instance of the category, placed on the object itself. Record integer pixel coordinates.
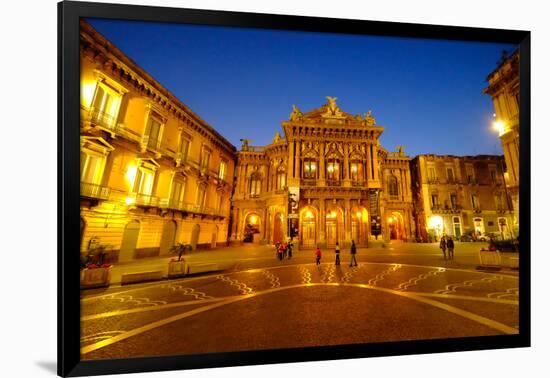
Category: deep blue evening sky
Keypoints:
(427, 94)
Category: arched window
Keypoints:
(310, 168)
(281, 178)
(356, 170)
(393, 189)
(255, 185)
(333, 169)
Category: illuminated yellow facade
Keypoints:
(456, 195)
(153, 173)
(504, 89)
(327, 180)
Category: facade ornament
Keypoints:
(369, 119)
(296, 114)
(359, 117)
(276, 138)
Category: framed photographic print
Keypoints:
(241, 188)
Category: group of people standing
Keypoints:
(447, 245)
(353, 251)
(284, 250)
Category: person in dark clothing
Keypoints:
(337, 252)
(289, 247)
(443, 246)
(450, 247)
(281, 251)
(353, 251)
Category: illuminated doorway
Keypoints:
(359, 225)
(278, 228)
(479, 228)
(332, 226)
(395, 226)
(308, 228)
(252, 228)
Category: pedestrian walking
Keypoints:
(353, 251)
(451, 248)
(318, 256)
(290, 245)
(285, 249)
(443, 246)
(337, 252)
(281, 250)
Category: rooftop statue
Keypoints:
(332, 108)
(244, 146)
(401, 150)
(276, 138)
(296, 113)
(369, 119)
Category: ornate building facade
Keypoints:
(504, 89)
(327, 180)
(153, 173)
(456, 195)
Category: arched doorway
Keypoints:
(479, 227)
(129, 241)
(308, 227)
(214, 238)
(396, 226)
(278, 228)
(195, 232)
(359, 225)
(251, 232)
(334, 226)
(168, 238)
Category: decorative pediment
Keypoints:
(96, 144)
(330, 113)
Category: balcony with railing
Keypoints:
(357, 183)
(433, 180)
(446, 209)
(334, 183)
(88, 190)
(309, 182)
(189, 208)
(103, 119)
(472, 181)
(146, 200)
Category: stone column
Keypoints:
(368, 169)
(321, 223)
(321, 180)
(375, 162)
(298, 160)
(347, 223)
(346, 165)
(291, 158)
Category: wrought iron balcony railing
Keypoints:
(433, 180)
(445, 209)
(357, 183)
(166, 203)
(309, 182)
(94, 191)
(334, 183)
(103, 119)
(146, 200)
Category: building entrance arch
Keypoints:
(308, 227)
(278, 228)
(129, 241)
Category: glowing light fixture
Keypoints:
(309, 214)
(129, 201)
(131, 174)
(436, 222)
(499, 126)
(253, 219)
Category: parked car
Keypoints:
(466, 238)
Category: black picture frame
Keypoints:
(69, 14)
